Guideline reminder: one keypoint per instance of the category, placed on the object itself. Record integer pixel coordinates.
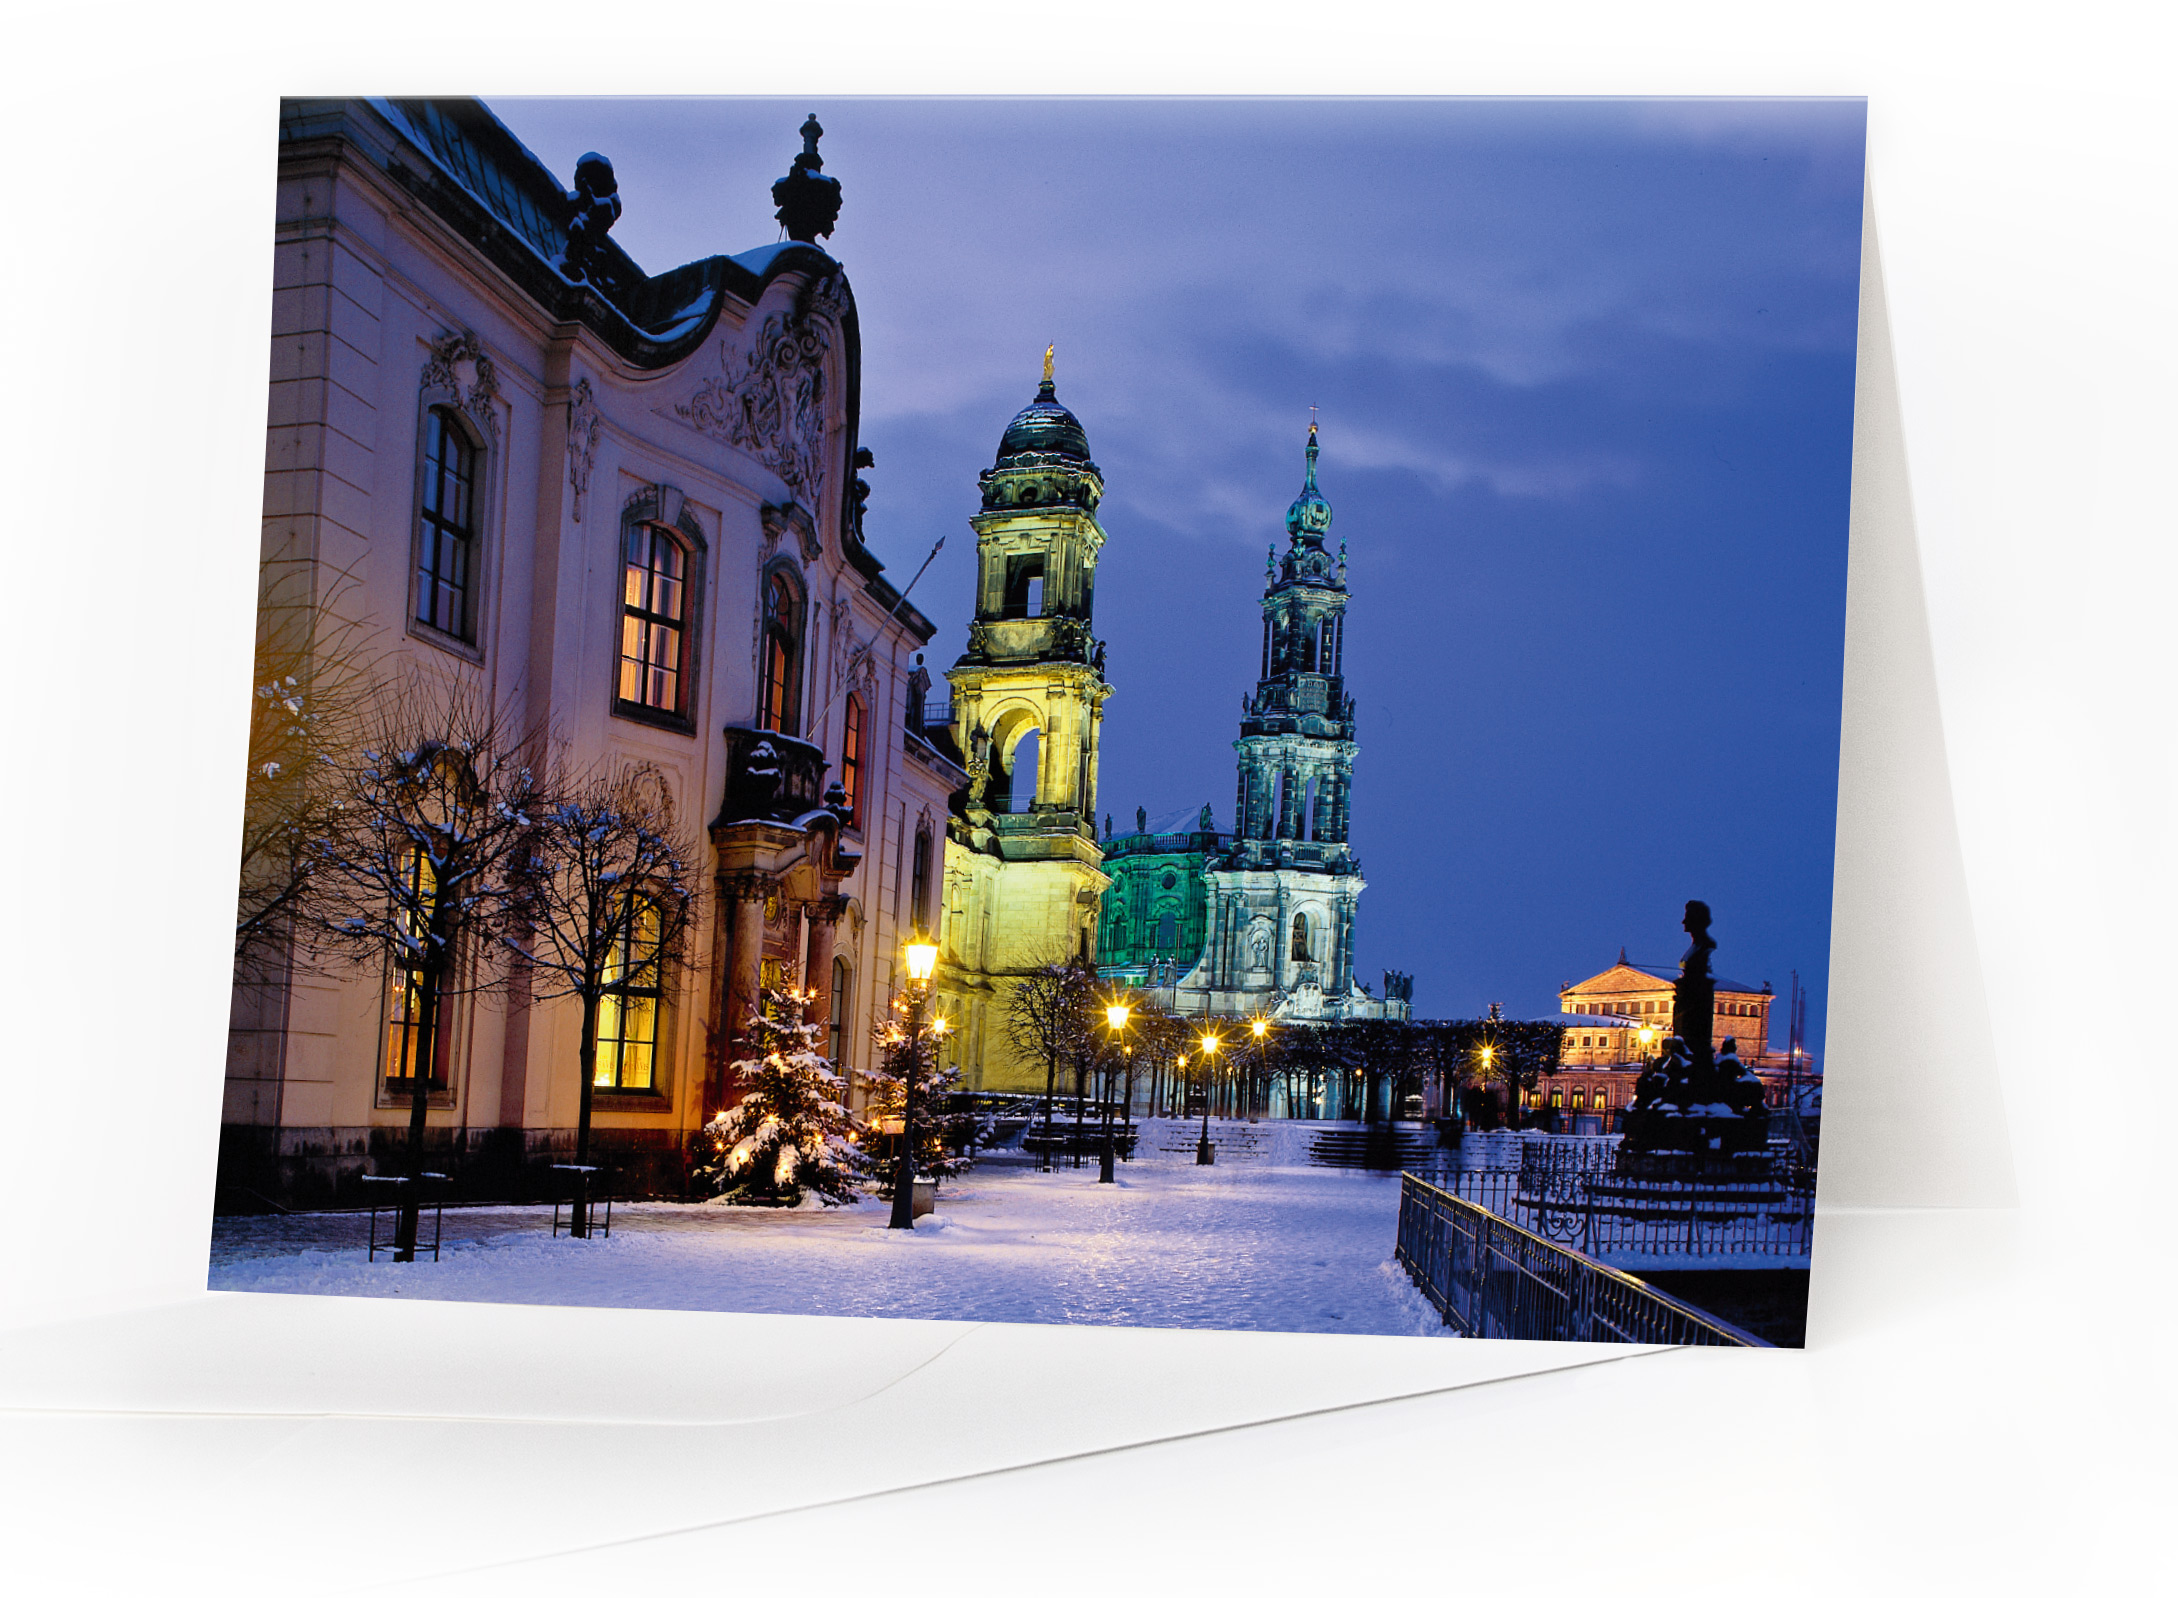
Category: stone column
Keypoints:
(823, 917)
(742, 895)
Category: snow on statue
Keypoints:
(791, 1134)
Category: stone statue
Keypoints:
(1141, 819)
(1259, 944)
(594, 202)
(808, 201)
(1205, 822)
(1696, 1099)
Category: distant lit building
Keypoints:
(1615, 1023)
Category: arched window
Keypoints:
(653, 620)
(627, 1015)
(1300, 937)
(1021, 791)
(781, 707)
(850, 759)
(446, 531)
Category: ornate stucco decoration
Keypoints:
(779, 520)
(854, 661)
(460, 369)
(772, 400)
(582, 429)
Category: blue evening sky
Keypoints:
(1585, 375)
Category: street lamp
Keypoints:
(1261, 1029)
(1204, 1153)
(1116, 1017)
(922, 963)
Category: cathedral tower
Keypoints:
(1279, 933)
(1023, 872)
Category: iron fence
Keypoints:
(1491, 1278)
(1599, 1213)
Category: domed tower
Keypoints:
(1279, 933)
(1023, 869)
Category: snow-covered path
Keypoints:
(1229, 1246)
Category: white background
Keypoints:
(1987, 1403)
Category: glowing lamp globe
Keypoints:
(1116, 1016)
(922, 957)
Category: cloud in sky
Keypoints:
(1585, 374)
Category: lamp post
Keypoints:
(922, 963)
(1116, 1017)
(1261, 1029)
(1204, 1153)
(1485, 1070)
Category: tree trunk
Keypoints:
(431, 980)
(586, 1052)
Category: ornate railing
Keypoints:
(1491, 1278)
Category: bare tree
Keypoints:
(603, 901)
(311, 684)
(1050, 1017)
(413, 853)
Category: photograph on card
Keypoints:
(834, 770)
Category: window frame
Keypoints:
(854, 740)
(780, 576)
(401, 978)
(615, 999)
(444, 407)
(663, 510)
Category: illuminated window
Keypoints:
(843, 992)
(920, 901)
(446, 530)
(653, 619)
(627, 1017)
(1300, 937)
(408, 1039)
(850, 759)
(780, 709)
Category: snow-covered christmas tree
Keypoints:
(945, 1140)
(791, 1134)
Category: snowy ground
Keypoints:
(1246, 1244)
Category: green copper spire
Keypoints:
(1309, 516)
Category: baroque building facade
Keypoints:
(619, 506)
(1023, 870)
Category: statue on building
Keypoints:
(808, 201)
(593, 206)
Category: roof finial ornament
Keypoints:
(1045, 393)
(808, 201)
(1050, 350)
